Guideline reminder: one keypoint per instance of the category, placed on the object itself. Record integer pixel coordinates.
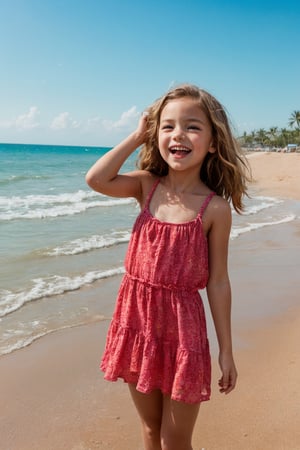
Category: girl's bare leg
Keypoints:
(149, 407)
(178, 423)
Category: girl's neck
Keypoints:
(183, 183)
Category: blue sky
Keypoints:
(80, 72)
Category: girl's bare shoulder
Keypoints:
(220, 209)
(219, 205)
(147, 180)
(217, 212)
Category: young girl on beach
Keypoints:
(189, 170)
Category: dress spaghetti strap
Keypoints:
(150, 195)
(205, 204)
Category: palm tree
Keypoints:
(284, 135)
(273, 132)
(261, 136)
(294, 120)
(246, 139)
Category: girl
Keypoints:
(189, 170)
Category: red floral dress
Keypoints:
(157, 338)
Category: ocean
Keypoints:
(57, 238)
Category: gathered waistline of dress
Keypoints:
(170, 287)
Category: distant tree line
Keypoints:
(274, 136)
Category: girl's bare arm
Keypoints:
(104, 175)
(219, 291)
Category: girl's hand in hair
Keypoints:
(142, 127)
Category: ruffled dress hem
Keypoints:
(152, 364)
(177, 399)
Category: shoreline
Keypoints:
(54, 396)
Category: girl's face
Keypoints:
(184, 135)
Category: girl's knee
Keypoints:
(152, 427)
(178, 424)
(173, 441)
(151, 433)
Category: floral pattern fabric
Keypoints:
(157, 338)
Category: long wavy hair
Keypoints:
(225, 171)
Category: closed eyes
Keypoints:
(193, 127)
(189, 127)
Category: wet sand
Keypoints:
(53, 396)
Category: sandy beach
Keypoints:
(276, 174)
(53, 396)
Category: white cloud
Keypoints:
(127, 120)
(64, 121)
(93, 124)
(93, 130)
(26, 121)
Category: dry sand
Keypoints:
(53, 396)
(276, 174)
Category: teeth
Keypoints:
(179, 149)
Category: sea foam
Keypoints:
(237, 231)
(83, 245)
(47, 287)
(51, 206)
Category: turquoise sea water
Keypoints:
(58, 237)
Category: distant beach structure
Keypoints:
(290, 148)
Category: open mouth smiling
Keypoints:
(179, 150)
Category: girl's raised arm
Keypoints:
(104, 175)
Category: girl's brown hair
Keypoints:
(225, 171)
